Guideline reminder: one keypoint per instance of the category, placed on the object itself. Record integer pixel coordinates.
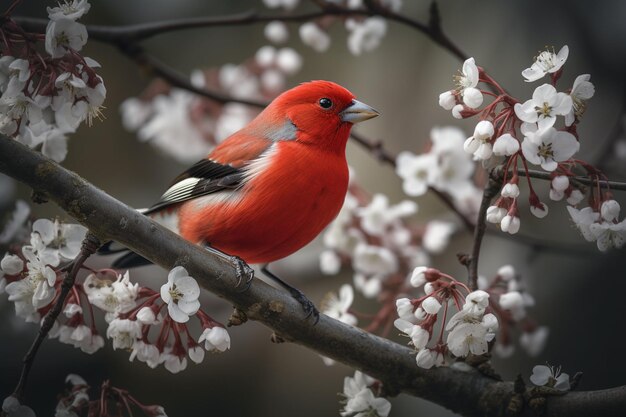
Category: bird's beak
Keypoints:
(357, 112)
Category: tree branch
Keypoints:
(140, 32)
(614, 185)
(467, 392)
(491, 189)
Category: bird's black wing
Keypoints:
(203, 178)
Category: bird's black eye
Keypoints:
(326, 103)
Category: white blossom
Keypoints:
(63, 34)
(575, 197)
(288, 60)
(73, 10)
(514, 302)
(447, 100)
(544, 106)
(582, 91)
(404, 308)
(170, 128)
(437, 235)
(360, 401)
(314, 36)
(114, 297)
(366, 35)
(66, 238)
(374, 259)
(173, 363)
(369, 286)
(276, 31)
(123, 333)
(419, 336)
(583, 219)
(417, 172)
(330, 262)
(467, 82)
(216, 339)
(549, 376)
(427, 358)
(34, 291)
(11, 265)
(506, 272)
(12, 407)
(479, 144)
(549, 147)
(506, 145)
(608, 235)
(285, 4)
(510, 190)
(560, 183)
(181, 294)
(476, 302)
(609, 210)
(547, 62)
(431, 305)
(378, 215)
(466, 338)
(510, 224)
(146, 315)
(144, 352)
(337, 307)
(495, 214)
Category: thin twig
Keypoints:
(491, 189)
(613, 185)
(89, 247)
(140, 32)
(376, 148)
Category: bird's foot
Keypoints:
(307, 305)
(242, 269)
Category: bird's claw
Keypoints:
(242, 270)
(307, 305)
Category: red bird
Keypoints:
(273, 186)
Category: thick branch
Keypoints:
(469, 393)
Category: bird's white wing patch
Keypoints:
(180, 190)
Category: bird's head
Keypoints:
(319, 113)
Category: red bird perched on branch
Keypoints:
(273, 186)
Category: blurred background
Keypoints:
(579, 292)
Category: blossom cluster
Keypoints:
(362, 398)
(32, 275)
(45, 96)
(490, 311)
(509, 302)
(364, 33)
(165, 116)
(444, 167)
(75, 401)
(513, 134)
(469, 330)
